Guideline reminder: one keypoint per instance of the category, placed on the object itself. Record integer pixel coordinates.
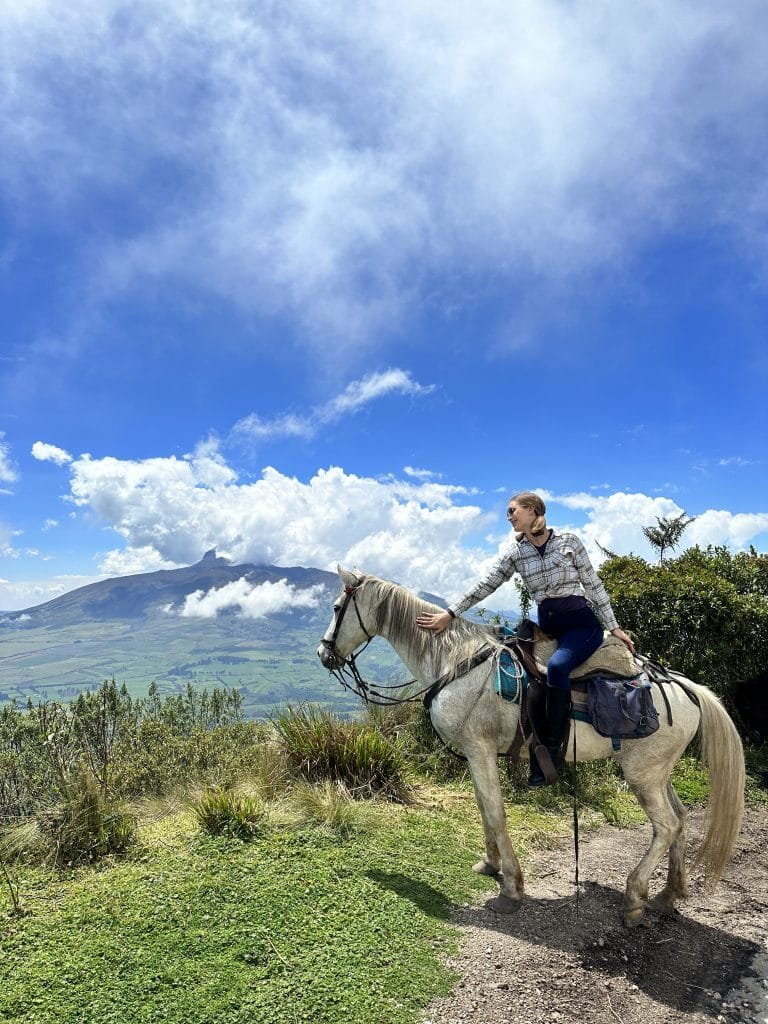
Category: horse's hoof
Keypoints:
(502, 904)
(634, 918)
(662, 904)
(484, 867)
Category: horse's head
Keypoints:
(346, 630)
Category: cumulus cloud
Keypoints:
(250, 600)
(17, 594)
(169, 511)
(50, 453)
(8, 472)
(616, 522)
(355, 396)
(345, 164)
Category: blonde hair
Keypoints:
(533, 502)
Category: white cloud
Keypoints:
(49, 524)
(355, 396)
(616, 522)
(134, 560)
(421, 474)
(252, 601)
(50, 453)
(8, 474)
(169, 513)
(18, 594)
(7, 533)
(344, 163)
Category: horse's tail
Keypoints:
(724, 756)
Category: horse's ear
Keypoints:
(347, 578)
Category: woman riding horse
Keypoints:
(557, 571)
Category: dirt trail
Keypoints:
(706, 964)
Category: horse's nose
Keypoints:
(325, 654)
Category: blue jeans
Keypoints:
(578, 635)
(573, 647)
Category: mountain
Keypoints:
(129, 628)
(133, 598)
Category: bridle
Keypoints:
(345, 669)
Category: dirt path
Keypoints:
(707, 964)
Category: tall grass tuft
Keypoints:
(409, 725)
(86, 826)
(330, 805)
(231, 813)
(320, 746)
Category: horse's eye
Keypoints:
(336, 608)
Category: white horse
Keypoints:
(468, 715)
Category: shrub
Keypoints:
(226, 812)
(321, 746)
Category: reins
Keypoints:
(347, 672)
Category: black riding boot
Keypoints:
(537, 716)
(558, 716)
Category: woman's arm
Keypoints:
(501, 572)
(593, 586)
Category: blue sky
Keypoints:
(322, 282)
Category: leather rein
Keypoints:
(348, 674)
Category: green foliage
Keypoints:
(704, 613)
(319, 745)
(330, 805)
(228, 812)
(690, 780)
(127, 746)
(295, 927)
(667, 533)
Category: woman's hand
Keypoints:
(621, 635)
(434, 621)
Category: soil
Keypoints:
(561, 960)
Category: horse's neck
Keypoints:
(405, 645)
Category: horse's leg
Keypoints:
(490, 864)
(677, 879)
(667, 828)
(499, 851)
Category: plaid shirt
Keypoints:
(563, 570)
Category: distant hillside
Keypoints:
(129, 628)
(147, 594)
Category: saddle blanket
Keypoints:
(611, 658)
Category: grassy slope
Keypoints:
(269, 663)
(299, 925)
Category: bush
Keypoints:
(226, 812)
(321, 746)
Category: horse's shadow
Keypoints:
(429, 900)
(675, 960)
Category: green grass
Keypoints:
(298, 925)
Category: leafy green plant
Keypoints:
(228, 812)
(319, 745)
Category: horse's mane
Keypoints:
(395, 609)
